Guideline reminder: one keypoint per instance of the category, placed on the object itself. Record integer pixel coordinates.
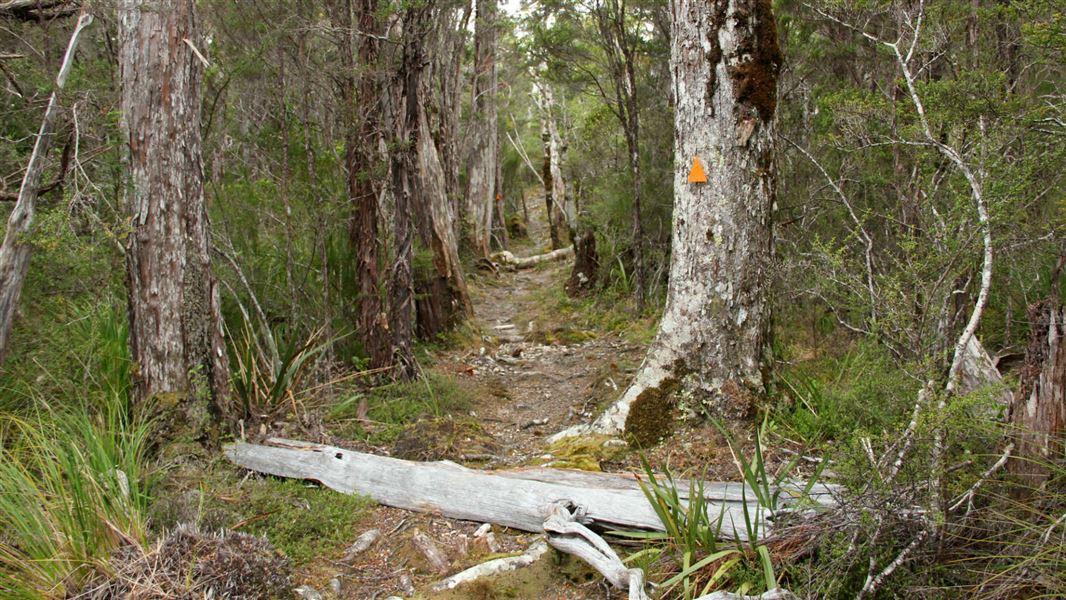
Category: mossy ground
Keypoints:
(586, 453)
(301, 519)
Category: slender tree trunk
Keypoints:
(499, 212)
(481, 177)
(711, 345)
(633, 142)
(560, 223)
(15, 252)
(618, 44)
(175, 322)
(286, 189)
(360, 95)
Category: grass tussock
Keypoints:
(74, 487)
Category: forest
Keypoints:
(546, 299)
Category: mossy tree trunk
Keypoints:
(175, 323)
(710, 350)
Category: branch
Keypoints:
(33, 10)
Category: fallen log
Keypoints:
(519, 498)
(564, 504)
(508, 259)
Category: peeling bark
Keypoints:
(1039, 408)
(361, 91)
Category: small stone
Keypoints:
(335, 586)
(407, 584)
(308, 593)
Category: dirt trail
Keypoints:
(552, 372)
(547, 374)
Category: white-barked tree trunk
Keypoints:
(710, 350)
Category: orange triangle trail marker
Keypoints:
(696, 175)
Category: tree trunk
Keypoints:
(1038, 412)
(481, 177)
(360, 94)
(442, 297)
(586, 265)
(443, 300)
(15, 252)
(711, 345)
(405, 187)
(560, 223)
(175, 323)
(516, 498)
(453, 20)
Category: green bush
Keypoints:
(862, 392)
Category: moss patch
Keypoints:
(586, 453)
(444, 438)
(651, 416)
(300, 519)
(755, 80)
(562, 335)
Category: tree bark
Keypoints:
(560, 221)
(481, 177)
(175, 322)
(360, 98)
(442, 299)
(711, 345)
(405, 187)
(1038, 412)
(15, 251)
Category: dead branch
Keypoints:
(507, 259)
